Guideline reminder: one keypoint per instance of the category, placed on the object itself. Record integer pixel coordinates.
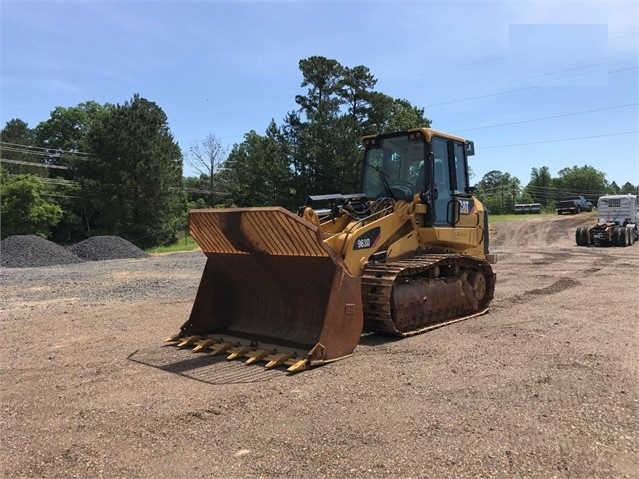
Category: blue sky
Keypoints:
(531, 83)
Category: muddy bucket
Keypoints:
(271, 282)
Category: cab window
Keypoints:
(461, 178)
(441, 179)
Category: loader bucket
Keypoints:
(271, 282)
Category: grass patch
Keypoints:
(184, 243)
(513, 217)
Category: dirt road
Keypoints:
(545, 385)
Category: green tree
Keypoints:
(198, 189)
(393, 114)
(16, 147)
(256, 172)
(62, 141)
(24, 209)
(540, 188)
(499, 192)
(322, 139)
(581, 180)
(614, 188)
(356, 91)
(67, 129)
(312, 131)
(134, 178)
(17, 132)
(629, 188)
(69, 229)
(64, 135)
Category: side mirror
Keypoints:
(456, 211)
(470, 148)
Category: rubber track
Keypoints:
(377, 287)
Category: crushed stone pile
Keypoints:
(30, 251)
(99, 248)
(25, 251)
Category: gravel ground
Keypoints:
(543, 386)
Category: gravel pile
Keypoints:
(99, 248)
(29, 251)
(24, 251)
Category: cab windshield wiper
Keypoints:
(383, 176)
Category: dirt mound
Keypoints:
(539, 231)
(26, 251)
(99, 248)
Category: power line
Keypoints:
(59, 181)
(29, 150)
(546, 118)
(560, 140)
(494, 59)
(506, 92)
(549, 192)
(490, 94)
(431, 73)
(624, 69)
(482, 96)
(44, 148)
(620, 33)
(33, 163)
(57, 196)
(446, 69)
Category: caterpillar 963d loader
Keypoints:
(410, 252)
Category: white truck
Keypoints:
(616, 225)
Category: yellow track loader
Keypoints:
(409, 253)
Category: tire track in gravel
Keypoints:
(559, 286)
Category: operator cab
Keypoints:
(394, 166)
(421, 161)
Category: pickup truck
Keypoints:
(573, 205)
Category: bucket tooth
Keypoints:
(239, 352)
(258, 355)
(172, 339)
(188, 341)
(299, 366)
(221, 348)
(277, 360)
(204, 344)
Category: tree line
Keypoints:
(500, 192)
(102, 169)
(116, 169)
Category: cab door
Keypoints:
(450, 179)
